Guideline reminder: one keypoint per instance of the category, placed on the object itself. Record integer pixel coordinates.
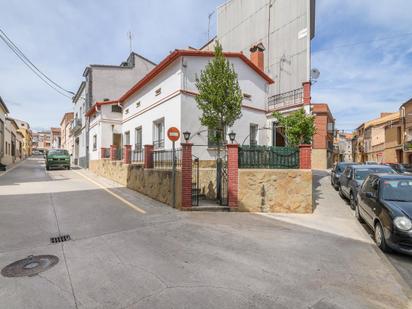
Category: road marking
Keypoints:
(9, 170)
(112, 193)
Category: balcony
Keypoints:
(285, 100)
(76, 125)
(407, 146)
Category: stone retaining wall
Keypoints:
(269, 190)
(155, 183)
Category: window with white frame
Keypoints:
(127, 138)
(159, 133)
(138, 143)
(214, 137)
(253, 134)
(1, 137)
(94, 142)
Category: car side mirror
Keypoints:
(370, 195)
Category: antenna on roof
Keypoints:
(130, 37)
(208, 27)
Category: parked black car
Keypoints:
(353, 177)
(385, 204)
(400, 168)
(337, 171)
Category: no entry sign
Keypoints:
(173, 134)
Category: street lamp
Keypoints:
(232, 136)
(186, 136)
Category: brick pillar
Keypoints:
(305, 157)
(148, 156)
(186, 176)
(127, 156)
(113, 152)
(306, 93)
(102, 153)
(233, 175)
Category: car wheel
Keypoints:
(358, 215)
(352, 201)
(380, 238)
(47, 168)
(68, 167)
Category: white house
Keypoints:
(165, 98)
(105, 127)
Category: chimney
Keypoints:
(257, 56)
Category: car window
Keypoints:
(58, 152)
(362, 173)
(397, 190)
(340, 168)
(367, 185)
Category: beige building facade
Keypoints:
(66, 132)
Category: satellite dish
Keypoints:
(314, 74)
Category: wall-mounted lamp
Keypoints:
(186, 136)
(232, 136)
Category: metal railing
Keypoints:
(164, 158)
(279, 101)
(105, 153)
(268, 157)
(138, 155)
(160, 144)
(119, 154)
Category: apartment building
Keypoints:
(66, 132)
(343, 147)
(405, 152)
(322, 144)
(55, 138)
(102, 82)
(26, 133)
(41, 140)
(3, 114)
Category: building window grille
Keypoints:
(116, 109)
(253, 137)
(94, 142)
(158, 134)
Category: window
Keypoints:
(126, 111)
(214, 137)
(253, 134)
(247, 96)
(1, 137)
(158, 91)
(127, 138)
(158, 134)
(138, 104)
(138, 143)
(116, 109)
(94, 142)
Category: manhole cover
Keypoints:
(30, 266)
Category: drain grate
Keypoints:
(30, 266)
(56, 240)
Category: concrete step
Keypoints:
(211, 208)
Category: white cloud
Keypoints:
(362, 80)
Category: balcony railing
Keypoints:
(407, 146)
(76, 125)
(160, 144)
(283, 100)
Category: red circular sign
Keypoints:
(173, 134)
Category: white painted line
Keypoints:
(9, 170)
(138, 209)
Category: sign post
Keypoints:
(174, 135)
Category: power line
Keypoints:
(48, 81)
(364, 42)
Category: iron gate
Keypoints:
(195, 181)
(222, 181)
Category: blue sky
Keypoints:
(63, 37)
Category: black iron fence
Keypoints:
(119, 154)
(164, 158)
(268, 157)
(105, 153)
(138, 155)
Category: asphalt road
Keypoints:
(128, 251)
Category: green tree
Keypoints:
(299, 127)
(220, 97)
